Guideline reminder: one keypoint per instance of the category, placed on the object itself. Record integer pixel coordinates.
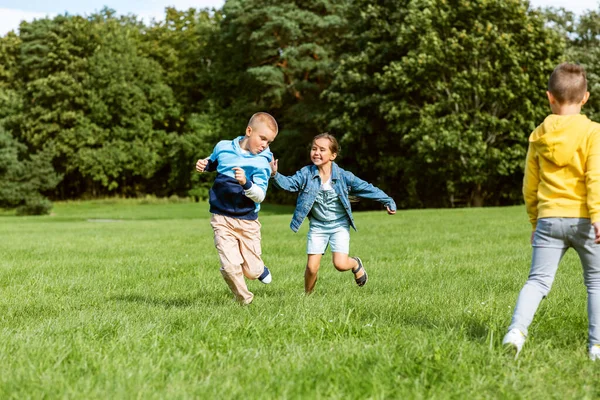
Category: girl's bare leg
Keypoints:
(342, 263)
(310, 274)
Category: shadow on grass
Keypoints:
(206, 298)
(470, 328)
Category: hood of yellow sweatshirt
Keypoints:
(559, 136)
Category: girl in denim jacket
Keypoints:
(323, 197)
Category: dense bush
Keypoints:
(35, 206)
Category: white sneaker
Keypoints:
(265, 277)
(515, 339)
(595, 352)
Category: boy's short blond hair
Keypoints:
(265, 119)
(568, 83)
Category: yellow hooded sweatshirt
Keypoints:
(562, 172)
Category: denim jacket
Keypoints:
(308, 182)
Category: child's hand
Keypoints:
(201, 164)
(240, 175)
(533, 235)
(274, 165)
(597, 231)
(390, 211)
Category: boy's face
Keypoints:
(258, 138)
(320, 152)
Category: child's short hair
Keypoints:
(264, 118)
(334, 146)
(568, 83)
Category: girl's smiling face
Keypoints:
(320, 153)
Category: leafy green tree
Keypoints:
(181, 44)
(23, 178)
(438, 96)
(278, 56)
(104, 108)
(583, 39)
(10, 83)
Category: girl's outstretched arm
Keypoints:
(290, 183)
(365, 190)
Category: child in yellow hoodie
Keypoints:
(562, 195)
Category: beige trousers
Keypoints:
(238, 244)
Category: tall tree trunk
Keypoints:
(477, 197)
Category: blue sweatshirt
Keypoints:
(226, 196)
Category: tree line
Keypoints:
(431, 100)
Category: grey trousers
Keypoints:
(553, 237)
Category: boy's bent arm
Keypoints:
(592, 178)
(366, 190)
(211, 166)
(255, 193)
(289, 183)
(213, 160)
(531, 181)
(256, 187)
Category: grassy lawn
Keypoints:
(119, 299)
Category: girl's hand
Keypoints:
(274, 165)
(390, 211)
(240, 175)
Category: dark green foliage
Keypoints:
(283, 54)
(432, 100)
(584, 39)
(24, 178)
(438, 97)
(35, 206)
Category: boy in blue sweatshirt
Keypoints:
(243, 172)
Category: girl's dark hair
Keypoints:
(334, 146)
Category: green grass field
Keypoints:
(117, 299)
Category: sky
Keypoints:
(12, 12)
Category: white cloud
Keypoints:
(10, 19)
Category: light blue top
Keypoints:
(327, 207)
(226, 196)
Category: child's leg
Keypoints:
(549, 247)
(544, 264)
(340, 247)
(310, 274)
(342, 262)
(589, 254)
(227, 245)
(317, 240)
(250, 248)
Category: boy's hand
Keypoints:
(240, 175)
(390, 211)
(533, 235)
(201, 164)
(274, 165)
(597, 231)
